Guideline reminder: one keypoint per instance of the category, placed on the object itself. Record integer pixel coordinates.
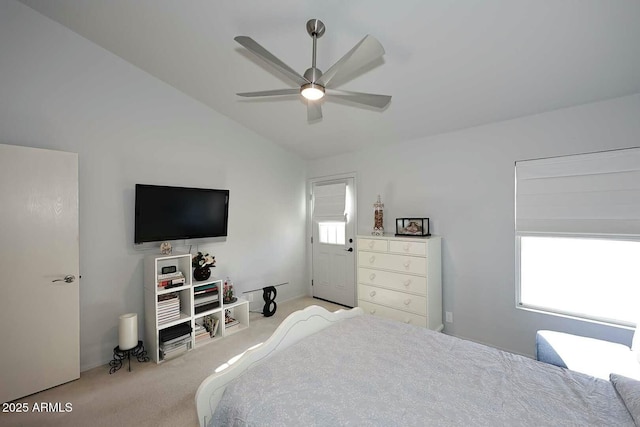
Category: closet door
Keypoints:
(39, 308)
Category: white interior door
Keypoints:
(333, 242)
(39, 317)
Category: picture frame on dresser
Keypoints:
(418, 227)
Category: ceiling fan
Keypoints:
(315, 84)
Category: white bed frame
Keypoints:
(295, 327)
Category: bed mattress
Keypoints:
(376, 372)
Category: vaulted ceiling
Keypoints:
(448, 65)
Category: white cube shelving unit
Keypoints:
(153, 265)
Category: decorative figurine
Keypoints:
(227, 292)
(378, 228)
(165, 248)
(202, 264)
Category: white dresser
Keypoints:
(400, 278)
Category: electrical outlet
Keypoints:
(448, 317)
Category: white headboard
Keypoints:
(294, 328)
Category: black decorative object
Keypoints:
(201, 273)
(269, 295)
(202, 264)
(412, 227)
(120, 355)
(169, 269)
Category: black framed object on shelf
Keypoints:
(418, 227)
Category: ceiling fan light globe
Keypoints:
(312, 92)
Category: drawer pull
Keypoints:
(407, 282)
(407, 263)
(372, 276)
(407, 246)
(372, 259)
(372, 293)
(371, 243)
(407, 321)
(407, 301)
(372, 311)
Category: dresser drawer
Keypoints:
(400, 263)
(390, 313)
(377, 245)
(398, 281)
(409, 248)
(394, 299)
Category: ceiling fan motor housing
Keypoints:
(312, 74)
(315, 27)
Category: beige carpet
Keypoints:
(151, 394)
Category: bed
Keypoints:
(346, 368)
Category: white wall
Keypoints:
(464, 182)
(60, 91)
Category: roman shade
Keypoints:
(329, 201)
(594, 193)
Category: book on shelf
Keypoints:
(205, 291)
(229, 321)
(176, 341)
(167, 276)
(200, 331)
(169, 308)
(208, 286)
(176, 331)
(216, 323)
(206, 307)
(168, 311)
(167, 354)
(169, 317)
(167, 297)
(203, 299)
(173, 345)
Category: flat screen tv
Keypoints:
(179, 213)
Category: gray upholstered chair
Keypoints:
(591, 356)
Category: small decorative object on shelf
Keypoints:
(202, 264)
(227, 292)
(228, 320)
(165, 248)
(412, 227)
(378, 228)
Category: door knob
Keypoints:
(349, 250)
(69, 278)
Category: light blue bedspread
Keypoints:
(369, 371)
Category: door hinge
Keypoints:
(311, 239)
(311, 282)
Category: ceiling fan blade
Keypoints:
(271, 92)
(366, 51)
(314, 111)
(267, 56)
(370, 99)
